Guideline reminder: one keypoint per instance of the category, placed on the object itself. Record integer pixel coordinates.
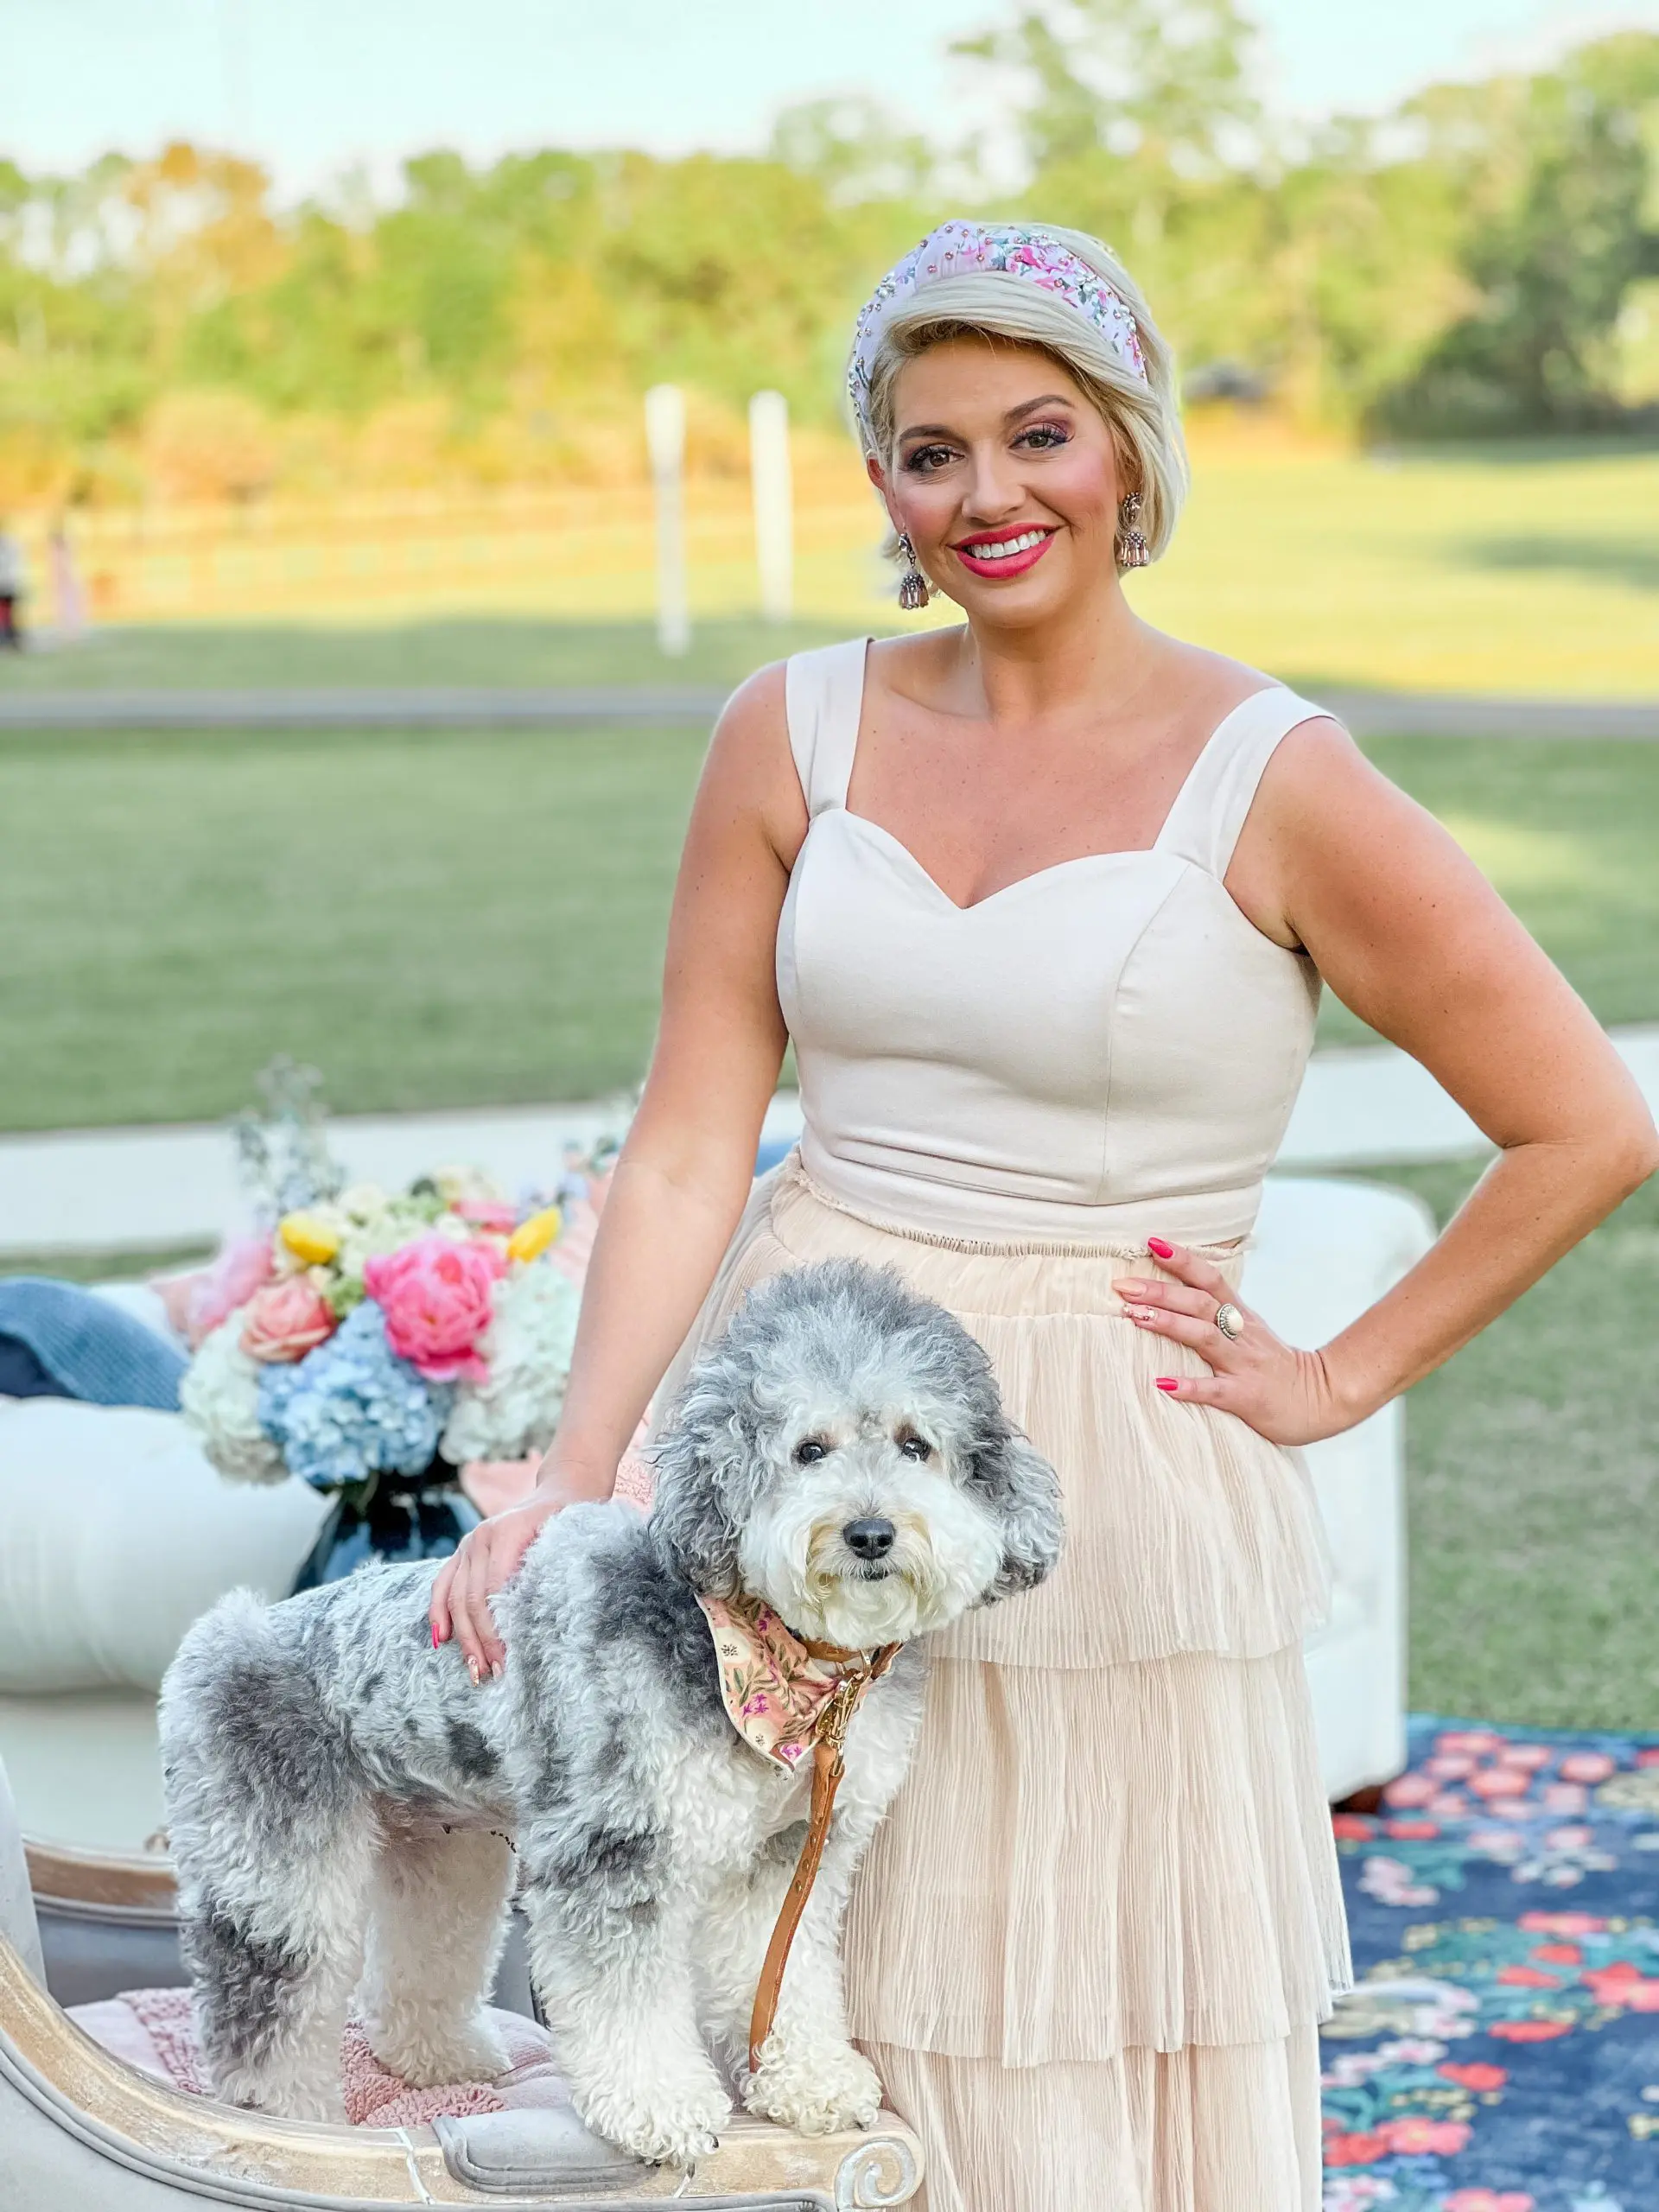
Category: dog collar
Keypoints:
(776, 1686)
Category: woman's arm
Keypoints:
(1408, 933)
(685, 1170)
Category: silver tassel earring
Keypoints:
(1133, 551)
(912, 585)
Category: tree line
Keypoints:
(1483, 260)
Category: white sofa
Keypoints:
(117, 1534)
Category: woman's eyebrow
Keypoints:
(1025, 407)
(1030, 406)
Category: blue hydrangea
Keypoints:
(351, 1408)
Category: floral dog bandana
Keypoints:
(961, 248)
(773, 1687)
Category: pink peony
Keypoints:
(1487, 2200)
(285, 1320)
(436, 1295)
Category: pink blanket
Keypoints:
(155, 2030)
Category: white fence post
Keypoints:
(666, 441)
(774, 505)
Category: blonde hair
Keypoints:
(1143, 418)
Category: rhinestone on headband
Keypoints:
(961, 248)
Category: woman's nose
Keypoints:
(869, 1539)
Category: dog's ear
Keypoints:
(1025, 1492)
(694, 1530)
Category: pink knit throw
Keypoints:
(374, 2097)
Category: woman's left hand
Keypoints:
(1286, 1396)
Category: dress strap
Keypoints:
(1203, 824)
(823, 694)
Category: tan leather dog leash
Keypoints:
(828, 1765)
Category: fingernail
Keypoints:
(435, 1636)
(472, 1669)
(1168, 1382)
(1159, 1249)
(496, 1670)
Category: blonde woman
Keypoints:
(1045, 902)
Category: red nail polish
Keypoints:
(1159, 1249)
(1168, 1382)
(435, 1636)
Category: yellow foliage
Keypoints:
(204, 446)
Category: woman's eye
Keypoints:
(810, 1452)
(926, 459)
(1041, 435)
(915, 1447)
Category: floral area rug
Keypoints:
(1501, 2051)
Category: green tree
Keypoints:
(1550, 264)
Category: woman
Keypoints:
(1045, 903)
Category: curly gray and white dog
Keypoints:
(338, 1791)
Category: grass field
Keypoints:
(443, 919)
(462, 650)
(1534, 1493)
(1532, 569)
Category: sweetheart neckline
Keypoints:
(1035, 875)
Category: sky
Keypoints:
(317, 87)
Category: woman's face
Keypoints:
(1005, 477)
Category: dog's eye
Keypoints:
(810, 1451)
(915, 1448)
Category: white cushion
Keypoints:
(118, 1533)
(1324, 1251)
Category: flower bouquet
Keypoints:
(374, 1343)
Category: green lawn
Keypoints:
(443, 919)
(1533, 1491)
(1568, 833)
(461, 650)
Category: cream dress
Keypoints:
(1090, 1947)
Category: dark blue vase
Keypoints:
(392, 1520)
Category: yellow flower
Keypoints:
(307, 1238)
(531, 1238)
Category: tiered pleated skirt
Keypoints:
(1091, 1945)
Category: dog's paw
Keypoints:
(431, 2053)
(302, 2099)
(816, 2090)
(664, 2128)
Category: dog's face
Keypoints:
(842, 1451)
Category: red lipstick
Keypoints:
(975, 555)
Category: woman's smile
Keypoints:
(1006, 552)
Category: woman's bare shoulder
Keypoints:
(750, 772)
(915, 668)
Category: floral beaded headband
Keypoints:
(961, 248)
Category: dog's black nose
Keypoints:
(869, 1539)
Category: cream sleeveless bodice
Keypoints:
(1104, 1050)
